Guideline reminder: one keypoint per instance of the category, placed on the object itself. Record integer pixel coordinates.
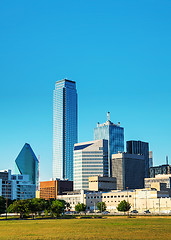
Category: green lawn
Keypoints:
(106, 228)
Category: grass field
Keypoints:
(106, 228)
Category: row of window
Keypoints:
(93, 197)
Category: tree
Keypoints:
(2, 205)
(20, 206)
(57, 207)
(41, 205)
(101, 206)
(80, 207)
(123, 206)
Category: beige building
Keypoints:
(140, 200)
(98, 183)
(159, 181)
(156, 197)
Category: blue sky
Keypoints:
(119, 54)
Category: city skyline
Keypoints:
(119, 55)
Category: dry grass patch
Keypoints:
(146, 228)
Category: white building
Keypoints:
(140, 200)
(90, 159)
(16, 186)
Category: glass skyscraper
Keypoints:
(115, 136)
(64, 128)
(28, 164)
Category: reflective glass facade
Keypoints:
(115, 136)
(64, 128)
(27, 164)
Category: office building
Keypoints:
(16, 186)
(51, 189)
(139, 147)
(129, 170)
(28, 164)
(114, 133)
(90, 159)
(162, 169)
(98, 183)
(64, 128)
(150, 159)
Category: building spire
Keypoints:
(108, 116)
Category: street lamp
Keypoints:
(7, 198)
(127, 202)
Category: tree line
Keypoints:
(34, 207)
(52, 207)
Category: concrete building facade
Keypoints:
(140, 200)
(129, 170)
(162, 181)
(162, 169)
(90, 159)
(98, 183)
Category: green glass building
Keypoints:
(28, 164)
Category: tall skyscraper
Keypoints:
(139, 147)
(115, 136)
(64, 128)
(27, 164)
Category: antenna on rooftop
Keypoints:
(108, 116)
(167, 160)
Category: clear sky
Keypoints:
(117, 51)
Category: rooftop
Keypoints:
(65, 80)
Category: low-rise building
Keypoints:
(50, 189)
(16, 186)
(159, 182)
(98, 183)
(162, 169)
(140, 200)
(73, 198)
